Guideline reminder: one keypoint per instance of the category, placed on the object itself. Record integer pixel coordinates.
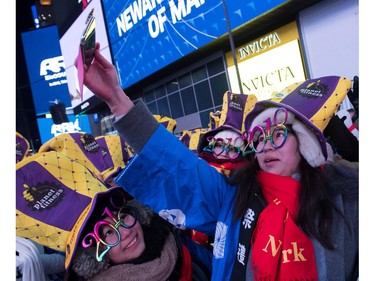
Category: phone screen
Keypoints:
(88, 40)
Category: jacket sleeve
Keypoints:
(137, 126)
(169, 178)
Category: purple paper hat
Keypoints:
(104, 155)
(118, 150)
(22, 147)
(169, 123)
(214, 120)
(233, 113)
(190, 138)
(311, 104)
(55, 198)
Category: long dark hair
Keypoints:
(316, 208)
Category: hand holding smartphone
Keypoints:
(86, 49)
(87, 43)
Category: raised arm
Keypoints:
(139, 123)
(101, 78)
(163, 174)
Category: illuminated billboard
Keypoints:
(146, 36)
(46, 68)
(48, 130)
(268, 64)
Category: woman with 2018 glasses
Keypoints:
(287, 215)
(124, 240)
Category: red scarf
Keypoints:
(226, 168)
(187, 267)
(281, 251)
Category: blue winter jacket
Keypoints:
(169, 178)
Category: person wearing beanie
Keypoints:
(288, 215)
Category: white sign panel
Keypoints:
(269, 72)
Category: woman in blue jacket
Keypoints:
(287, 215)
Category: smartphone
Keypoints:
(87, 43)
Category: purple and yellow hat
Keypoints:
(214, 120)
(169, 123)
(22, 147)
(105, 155)
(190, 138)
(310, 107)
(55, 198)
(234, 110)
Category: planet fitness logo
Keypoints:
(314, 90)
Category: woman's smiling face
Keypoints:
(131, 245)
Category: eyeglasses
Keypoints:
(253, 140)
(277, 137)
(107, 233)
(219, 146)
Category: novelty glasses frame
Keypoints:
(95, 235)
(226, 146)
(248, 136)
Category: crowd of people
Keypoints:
(263, 188)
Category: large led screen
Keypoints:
(146, 35)
(48, 129)
(46, 68)
(70, 42)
